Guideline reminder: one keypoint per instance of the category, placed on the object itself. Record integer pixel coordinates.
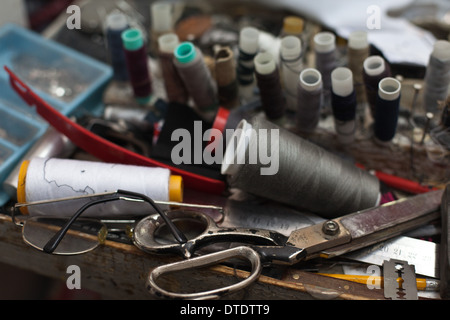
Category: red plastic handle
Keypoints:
(102, 148)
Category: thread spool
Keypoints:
(268, 81)
(308, 177)
(310, 90)
(387, 109)
(326, 60)
(344, 104)
(116, 24)
(291, 66)
(294, 26)
(51, 144)
(375, 68)
(52, 179)
(437, 76)
(197, 78)
(137, 65)
(357, 52)
(226, 78)
(174, 85)
(161, 22)
(248, 48)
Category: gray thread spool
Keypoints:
(308, 177)
(326, 60)
(196, 77)
(310, 89)
(437, 77)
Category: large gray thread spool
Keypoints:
(308, 177)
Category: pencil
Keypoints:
(422, 283)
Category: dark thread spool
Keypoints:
(268, 81)
(116, 24)
(174, 85)
(308, 177)
(248, 48)
(387, 109)
(310, 90)
(437, 77)
(375, 69)
(326, 60)
(225, 72)
(343, 100)
(291, 65)
(137, 64)
(197, 78)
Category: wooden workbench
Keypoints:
(119, 271)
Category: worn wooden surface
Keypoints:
(119, 271)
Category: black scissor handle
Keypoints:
(203, 261)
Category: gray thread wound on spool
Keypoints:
(309, 104)
(309, 177)
(437, 80)
(199, 82)
(326, 62)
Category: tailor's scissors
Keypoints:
(264, 248)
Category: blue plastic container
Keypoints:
(71, 82)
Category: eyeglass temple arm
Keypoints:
(53, 243)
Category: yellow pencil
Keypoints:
(422, 284)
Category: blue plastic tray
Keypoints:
(71, 82)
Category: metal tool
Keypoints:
(399, 280)
(328, 239)
(444, 253)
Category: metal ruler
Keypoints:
(424, 255)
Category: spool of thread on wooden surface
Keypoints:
(226, 77)
(387, 109)
(137, 65)
(174, 85)
(308, 177)
(116, 24)
(310, 90)
(291, 66)
(437, 77)
(326, 60)
(248, 49)
(52, 179)
(268, 81)
(358, 51)
(375, 68)
(344, 104)
(197, 78)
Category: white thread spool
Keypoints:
(291, 66)
(51, 179)
(342, 85)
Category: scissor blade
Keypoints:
(367, 227)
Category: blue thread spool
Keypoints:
(387, 109)
(116, 23)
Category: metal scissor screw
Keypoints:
(330, 228)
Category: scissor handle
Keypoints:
(203, 261)
(145, 234)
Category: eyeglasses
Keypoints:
(63, 236)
